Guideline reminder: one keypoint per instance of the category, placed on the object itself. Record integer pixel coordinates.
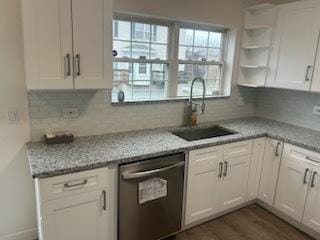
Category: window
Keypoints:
(142, 66)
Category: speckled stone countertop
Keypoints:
(98, 151)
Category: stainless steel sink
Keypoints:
(193, 134)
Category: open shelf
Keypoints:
(249, 85)
(260, 7)
(254, 47)
(253, 67)
(257, 27)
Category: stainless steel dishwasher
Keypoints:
(150, 198)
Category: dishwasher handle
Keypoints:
(151, 172)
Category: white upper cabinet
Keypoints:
(67, 44)
(315, 87)
(47, 32)
(295, 45)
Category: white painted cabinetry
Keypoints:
(234, 177)
(67, 44)
(202, 185)
(217, 179)
(294, 179)
(294, 46)
(255, 168)
(270, 170)
(74, 206)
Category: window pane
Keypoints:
(215, 39)
(159, 72)
(214, 54)
(144, 75)
(158, 89)
(200, 71)
(121, 30)
(200, 54)
(141, 32)
(121, 72)
(214, 72)
(185, 53)
(186, 36)
(201, 38)
(140, 50)
(123, 48)
(158, 51)
(185, 73)
(159, 34)
(141, 90)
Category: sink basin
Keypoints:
(193, 134)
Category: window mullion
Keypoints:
(174, 63)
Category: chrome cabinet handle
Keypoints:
(78, 65)
(313, 184)
(225, 169)
(104, 207)
(67, 185)
(151, 172)
(308, 73)
(220, 169)
(68, 63)
(277, 149)
(305, 176)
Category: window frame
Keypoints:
(173, 60)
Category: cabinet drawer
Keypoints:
(237, 149)
(70, 184)
(297, 153)
(205, 156)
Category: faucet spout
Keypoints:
(191, 102)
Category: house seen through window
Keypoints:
(145, 60)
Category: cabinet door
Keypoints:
(202, 192)
(255, 168)
(295, 45)
(47, 30)
(270, 170)
(233, 187)
(293, 183)
(92, 43)
(79, 217)
(315, 87)
(311, 216)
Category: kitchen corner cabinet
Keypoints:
(255, 168)
(67, 44)
(73, 206)
(270, 169)
(295, 45)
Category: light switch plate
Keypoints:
(13, 116)
(70, 113)
(316, 110)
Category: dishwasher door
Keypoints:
(150, 198)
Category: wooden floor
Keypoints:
(250, 223)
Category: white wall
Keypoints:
(17, 204)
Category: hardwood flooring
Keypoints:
(250, 223)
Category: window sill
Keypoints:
(168, 100)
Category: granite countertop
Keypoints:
(98, 151)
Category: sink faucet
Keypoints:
(192, 105)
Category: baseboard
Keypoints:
(29, 234)
(289, 220)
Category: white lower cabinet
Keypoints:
(79, 217)
(74, 206)
(233, 184)
(215, 182)
(270, 170)
(311, 216)
(255, 168)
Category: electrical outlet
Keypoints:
(13, 116)
(316, 110)
(70, 113)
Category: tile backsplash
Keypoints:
(293, 107)
(99, 116)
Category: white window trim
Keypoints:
(173, 60)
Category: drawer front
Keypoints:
(237, 149)
(301, 154)
(205, 156)
(70, 184)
